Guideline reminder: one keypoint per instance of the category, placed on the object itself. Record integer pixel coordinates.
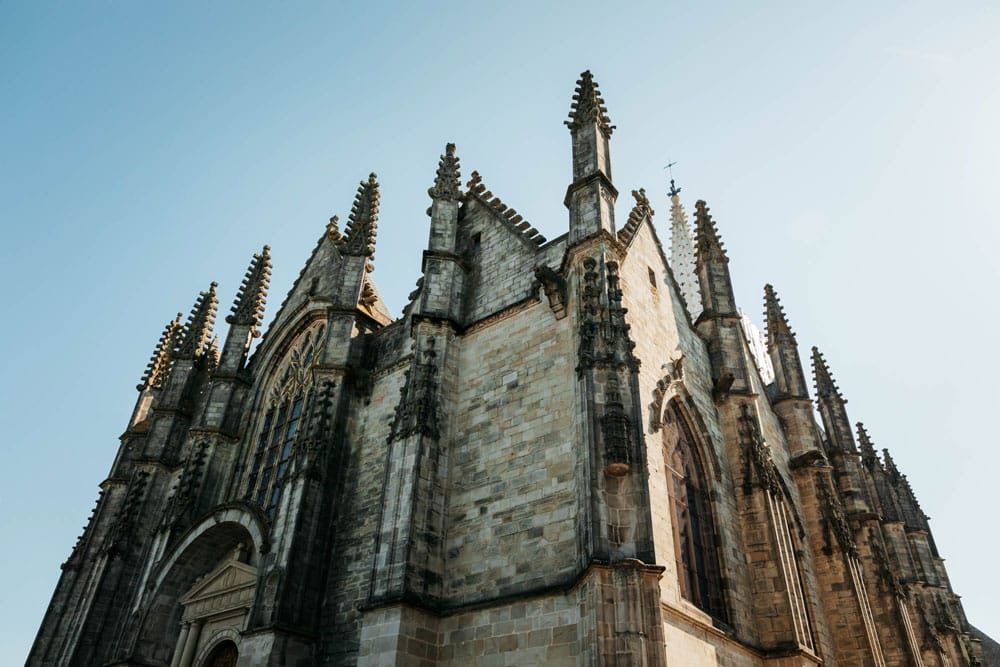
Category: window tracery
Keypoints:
(691, 511)
(288, 401)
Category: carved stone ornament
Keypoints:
(669, 384)
(757, 459)
(604, 334)
(555, 289)
(418, 401)
(617, 431)
(834, 520)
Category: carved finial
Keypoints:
(774, 316)
(211, 353)
(706, 236)
(640, 211)
(447, 184)
(333, 229)
(359, 238)
(248, 307)
(199, 325)
(868, 454)
(475, 184)
(159, 363)
(642, 206)
(588, 106)
(825, 386)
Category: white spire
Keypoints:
(682, 256)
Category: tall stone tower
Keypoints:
(568, 452)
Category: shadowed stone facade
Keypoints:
(565, 452)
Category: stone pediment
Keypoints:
(230, 586)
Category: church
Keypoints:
(568, 451)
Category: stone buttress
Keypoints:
(564, 451)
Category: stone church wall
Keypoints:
(513, 500)
(502, 263)
(357, 520)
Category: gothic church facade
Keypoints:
(565, 452)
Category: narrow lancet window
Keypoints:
(695, 544)
(286, 406)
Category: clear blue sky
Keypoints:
(849, 153)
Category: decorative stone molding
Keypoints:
(418, 401)
(555, 289)
(757, 459)
(670, 385)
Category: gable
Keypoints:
(229, 578)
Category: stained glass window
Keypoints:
(286, 407)
(691, 511)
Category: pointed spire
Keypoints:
(640, 212)
(774, 315)
(707, 239)
(447, 184)
(159, 363)
(832, 407)
(248, 307)
(868, 455)
(890, 465)
(359, 238)
(199, 325)
(682, 260)
(712, 267)
(588, 106)
(825, 386)
(913, 514)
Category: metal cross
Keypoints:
(674, 190)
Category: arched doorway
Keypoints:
(223, 655)
(183, 608)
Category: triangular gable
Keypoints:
(322, 267)
(645, 224)
(229, 577)
(507, 216)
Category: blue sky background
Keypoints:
(849, 154)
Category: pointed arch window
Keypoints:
(695, 543)
(289, 398)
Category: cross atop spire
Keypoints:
(674, 190)
(706, 235)
(198, 328)
(159, 363)
(774, 316)
(359, 237)
(588, 106)
(447, 184)
(248, 307)
(825, 386)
